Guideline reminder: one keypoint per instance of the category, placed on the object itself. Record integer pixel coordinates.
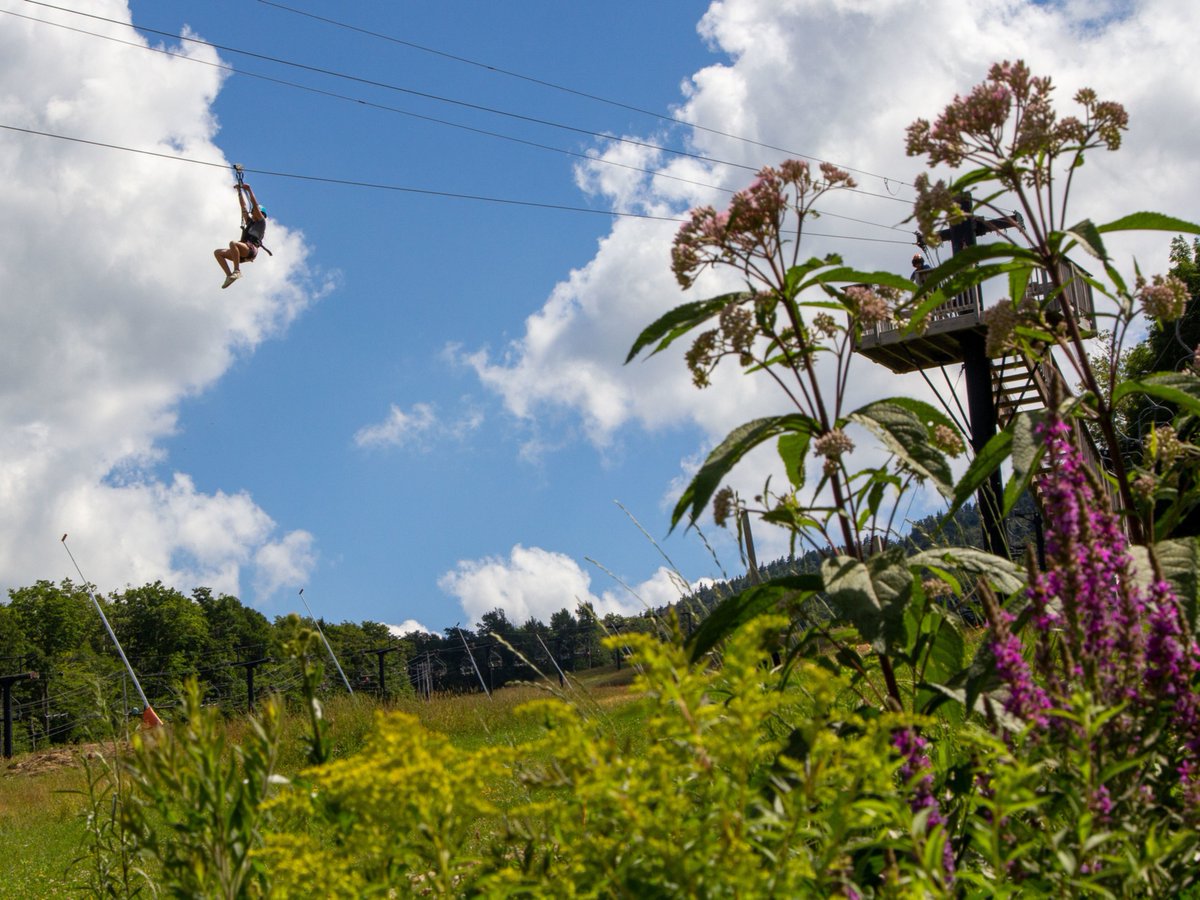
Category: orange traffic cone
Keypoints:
(150, 718)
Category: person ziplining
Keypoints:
(254, 227)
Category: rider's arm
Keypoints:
(255, 212)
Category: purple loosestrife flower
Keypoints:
(1097, 631)
(916, 772)
(1088, 591)
(1101, 804)
(1026, 699)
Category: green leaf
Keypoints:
(848, 275)
(796, 274)
(680, 321)
(1002, 573)
(1115, 277)
(926, 412)
(734, 612)
(1018, 281)
(1179, 559)
(1027, 453)
(968, 259)
(904, 432)
(1180, 562)
(1089, 238)
(737, 444)
(793, 447)
(946, 652)
(1174, 387)
(1150, 221)
(871, 596)
(986, 461)
(969, 179)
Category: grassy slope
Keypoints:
(40, 830)
(41, 824)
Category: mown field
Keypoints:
(43, 798)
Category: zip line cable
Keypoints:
(344, 182)
(413, 92)
(569, 90)
(359, 101)
(384, 107)
(392, 87)
(499, 135)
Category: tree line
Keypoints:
(237, 654)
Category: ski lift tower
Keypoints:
(956, 335)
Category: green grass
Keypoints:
(41, 830)
(475, 720)
(41, 809)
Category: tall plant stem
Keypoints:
(1104, 418)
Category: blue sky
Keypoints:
(416, 410)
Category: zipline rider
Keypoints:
(245, 249)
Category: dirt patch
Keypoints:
(53, 759)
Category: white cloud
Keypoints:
(284, 563)
(398, 428)
(419, 426)
(408, 626)
(533, 582)
(111, 313)
(838, 81)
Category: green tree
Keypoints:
(55, 619)
(236, 634)
(14, 646)
(79, 673)
(164, 633)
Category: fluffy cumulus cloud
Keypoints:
(838, 81)
(408, 626)
(107, 324)
(536, 583)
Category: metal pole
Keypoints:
(7, 688)
(149, 716)
(317, 625)
(562, 679)
(471, 656)
(6, 683)
(980, 403)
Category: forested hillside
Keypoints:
(52, 629)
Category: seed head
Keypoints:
(833, 444)
(724, 505)
(1164, 299)
(946, 440)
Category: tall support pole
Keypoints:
(317, 625)
(379, 654)
(471, 656)
(982, 407)
(149, 717)
(981, 404)
(6, 683)
(250, 667)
